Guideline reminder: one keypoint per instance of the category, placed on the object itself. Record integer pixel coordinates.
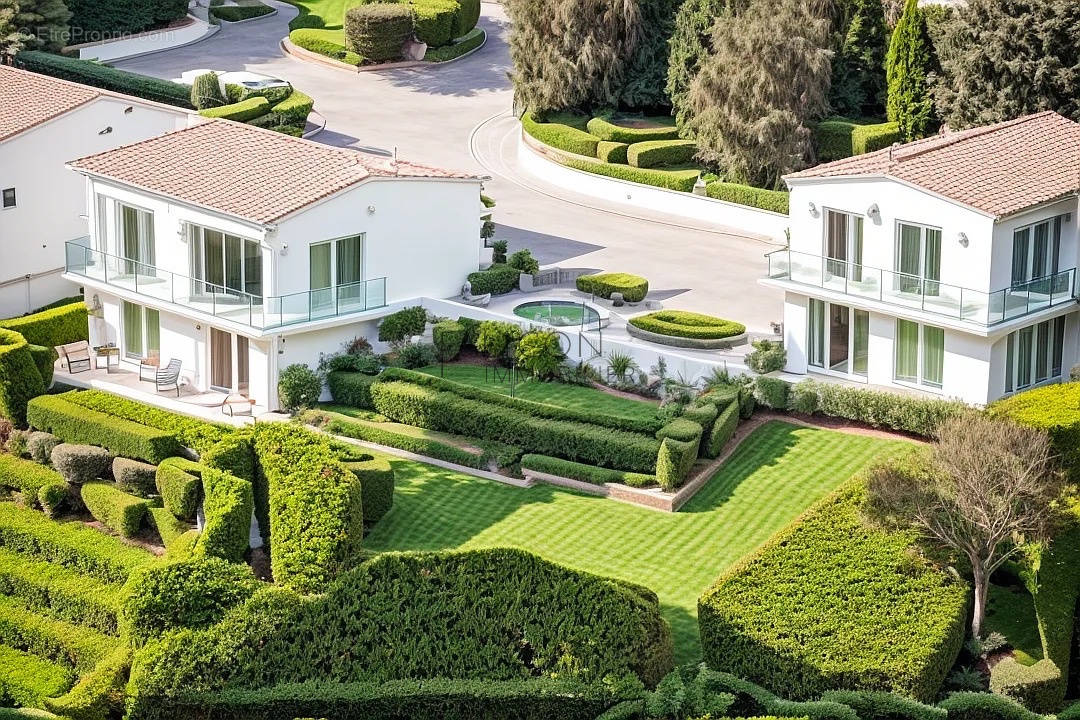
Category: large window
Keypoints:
(920, 354)
(135, 238)
(918, 259)
(838, 338)
(335, 266)
(1035, 251)
(844, 244)
(1033, 354)
(142, 331)
(224, 263)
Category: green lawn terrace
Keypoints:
(774, 475)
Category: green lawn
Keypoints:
(577, 397)
(773, 476)
(332, 14)
(1011, 612)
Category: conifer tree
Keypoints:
(11, 39)
(907, 70)
(858, 84)
(45, 22)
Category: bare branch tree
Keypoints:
(987, 488)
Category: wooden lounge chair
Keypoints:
(74, 356)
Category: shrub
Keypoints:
(228, 505)
(294, 110)
(240, 112)
(193, 593)
(76, 424)
(877, 705)
(26, 476)
(771, 392)
(680, 180)
(494, 337)
(40, 446)
(722, 430)
(351, 388)
(53, 496)
(611, 152)
(80, 463)
(298, 386)
(400, 326)
(206, 92)
(679, 323)
(376, 478)
(414, 404)
(608, 131)
(382, 435)
(316, 42)
(105, 77)
(19, 377)
(655, 153)
(50, 639)
(99, 694)
(563, 137)
(239, 13)
(378, 31)
(234, 455)
(767, 356)
(448, 336)
(434, 21)
(497, 280)
(114, 508)
(681, 429)
(134, 476)
(674, 462)
(417, 355)
(1039, 687)
(444, 612)
(524, 262)
(772, 200)
(920, 416)
(123, 16)
(702, 413)
(634, 288)
(876, 616)
(1053, 408)
(472, 329)
(837, 139)
(585, 473)
(366, 363)
(45, 361)
(540, 353)
(315, 511)
(466, 18)
(26, 680)
(984, 706)
(169, 527)
(498, 253)
(179, 487)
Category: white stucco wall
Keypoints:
(1069, 257)
(51, 198)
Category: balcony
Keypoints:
(916, 293)
(256, 311)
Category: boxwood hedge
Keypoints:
(680, 180)
(655, 153)
(26, 680)
(351, 388)
(114, 508)
(985, 706)
(585, 473)
(315, 40)
(680, 323)
(73, 646)
(907, 413)
(498, 279)
(377, 32)
(99, 693)
(47, 588)
(380, 435)
(606, 130)
(55, 326)
(228, 505)
(776, 201)
(878, 705)
(376, 478)
(241, 111)
(838, 138)
(722, 430)
(830, 603)
(178, 482)
(466, 615)
(74, 423)
(611, 152)
(1039, 687)
(560, 136)
(28, 477)
(19, 377)
(1055, 409)
(634, 288)
(105, 77)
(674, 462)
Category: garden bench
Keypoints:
(75, 356)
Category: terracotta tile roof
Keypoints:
(999, 169)
(248, 172)
(28, 99)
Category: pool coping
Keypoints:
(602, 313)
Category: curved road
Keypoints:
(458, 115)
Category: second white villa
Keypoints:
(238, 251)
(947, 265)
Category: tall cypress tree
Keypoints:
(858, 85)
(907, 68)
(46, 21)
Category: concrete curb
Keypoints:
(211, 31)
(290, 48)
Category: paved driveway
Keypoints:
(458, 115)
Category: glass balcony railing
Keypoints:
(227, 303)
(914, 292)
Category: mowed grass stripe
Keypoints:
(777, 472)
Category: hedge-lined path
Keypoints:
(430, 114)
(779, 471)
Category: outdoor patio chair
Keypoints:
(75, 356)
(236, 404)
(149, 366)
(168, 377)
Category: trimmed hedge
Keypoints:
(776, 201)
(28, 477)
(240, 112)
(80, 463)
(134, 477)
(46, 588)
(190, 431)
(703, 414)
(750, 699)
(655, 153)
(45, 362)
(1039, 687)
(107, 78)
(674, 462)
(74, 423)
(315, 506)
(680, 180)
(634, 288)
(448, 337)
(75, 647)
(563, 137)
(27, 680)
(19, 377)
(294, 109)
(1053, 408)
(585, 473)
(238, 13)
(610, 132)
(838, 138)
(228, 505)
(378, 31)
(873, 616)
(435, 21)
(907, 413)
(611, 152)
(342, 425)
(178, 481)
(877, 705)
(40, 446)
(498, 279)
(481, 614)
(71, 545)
(681, 429)
(472, 40)
(114, 508)
(680, 323)
(117, 17)
(99, 694)
(434, 409)
(376, 478)
(727, 422)
(985, 706)
(167, 525)
(351, 388)
(314, 39)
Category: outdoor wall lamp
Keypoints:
(105, 131)
(370, 209)
(873, 211)
(963, 239)
(813, 209)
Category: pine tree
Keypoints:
(46, 22)
(691, 44)
(751, 119)
(11, 39)
(907, 69)
(858, 85)
(1004, 59)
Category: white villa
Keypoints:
(44, 122)
(946, 265)
(239, 251)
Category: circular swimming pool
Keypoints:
(562, 313)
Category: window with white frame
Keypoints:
(919, 354)
(335, 267)
(224, 263)
(141, 327)
(839, 338)
(1033, 354)
(844, 244)
(918, 258)
(8, 198)
(127, 231)
(1036, 250)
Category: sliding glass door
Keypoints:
(843, 245)
(136, 240)
(1033, 354)
(336, 269)
(1036, 250)
(919, 354)
(141, 327)
(918, 259)
(225, 264)
(838, 338)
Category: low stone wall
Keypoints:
(689, 343)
